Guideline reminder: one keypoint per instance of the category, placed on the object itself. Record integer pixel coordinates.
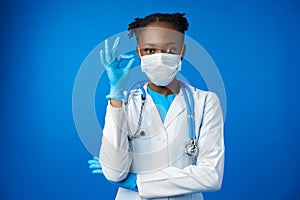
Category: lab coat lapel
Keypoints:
(151, 110)
(177, 107)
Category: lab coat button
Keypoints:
(142, 133)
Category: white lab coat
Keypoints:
(164, 170)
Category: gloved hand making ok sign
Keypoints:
(116, 73)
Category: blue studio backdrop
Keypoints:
(255, 45)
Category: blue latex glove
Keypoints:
(128, 183)
(116, 74)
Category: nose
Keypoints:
(161, 51)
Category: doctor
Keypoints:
(164, 140)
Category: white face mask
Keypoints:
(161, 68)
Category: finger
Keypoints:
(95, 166)
(97, 171)
(115, 48)
(96, 158)
(129, 66)
(125, 56)
(107, 53)
(93, 162)
(102, 59)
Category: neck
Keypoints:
(172, 88)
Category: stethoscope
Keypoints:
(191, 148)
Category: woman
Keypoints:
(147, 147)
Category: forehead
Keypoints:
(159, 36)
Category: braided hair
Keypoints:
(177, 20)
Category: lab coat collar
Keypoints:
(177, 107)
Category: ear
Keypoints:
(138, 51)
(183, 51)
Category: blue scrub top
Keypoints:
(162, 102)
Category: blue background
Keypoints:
(255, 45)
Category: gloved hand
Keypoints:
(128, 183)
(95, 165)
(116, 74)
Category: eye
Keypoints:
(171, 50)
(149, 51)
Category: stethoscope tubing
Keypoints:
(189, 104)
(134, 85)
(191, 148)
(190, 109)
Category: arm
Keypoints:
(206, 175)
(115, 156)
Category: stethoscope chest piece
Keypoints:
(191, 148)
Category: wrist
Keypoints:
(116, 93)
(115, 103)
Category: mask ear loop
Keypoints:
(181, 51)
